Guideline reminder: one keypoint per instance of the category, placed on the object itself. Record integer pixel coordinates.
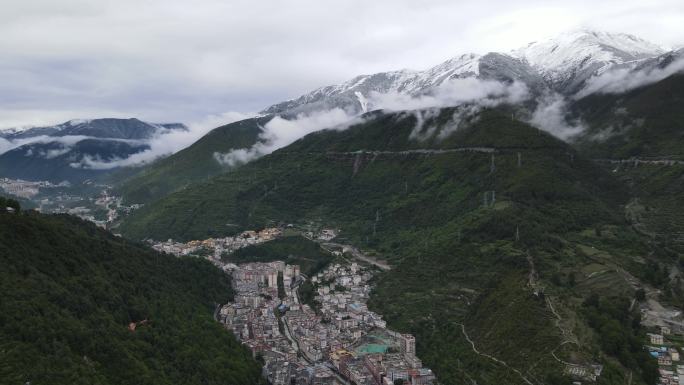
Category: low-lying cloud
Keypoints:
(64, 142)
(280, 132)
(626, 79)
(550, 116)
(167, 143)
(163, 143)
(451, 93)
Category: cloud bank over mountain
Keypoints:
(173, 61)
(280, 131)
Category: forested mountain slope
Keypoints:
(494, 230)
(192, 164)
(638, 136)
(645, 122)
(70, 292)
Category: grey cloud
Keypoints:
(452, 93)
(169, 60)
(550, 116)
(165, 143)
(280, 132)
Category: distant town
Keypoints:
(89, 201)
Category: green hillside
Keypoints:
(645, 122)
(70, 290)
(191, 165)
(494, 230)
(294, 250)
(322, 178)
(657, 196)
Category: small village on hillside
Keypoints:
(214, 248)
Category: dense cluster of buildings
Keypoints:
(254, 318)
(664, 343)
(341, 342)
(670, 370)
(218, 246)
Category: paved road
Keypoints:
(636, 161)
(420, 151)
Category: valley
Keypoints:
(476, 205)
(505, 218)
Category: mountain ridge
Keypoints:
(562, 64)
(76, 150)
(115, 128)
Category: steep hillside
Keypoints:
(193, 164)
(494, 229)
(657, 195)
(382, 161)
(70, 292)
(645, 123)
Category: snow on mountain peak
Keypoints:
(76, 122)
(585, 49)
(562, 64)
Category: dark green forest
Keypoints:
(69, 292)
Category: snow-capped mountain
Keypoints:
(351, 95)
(569, 59)
(563, 65)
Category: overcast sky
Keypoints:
(179, 60)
